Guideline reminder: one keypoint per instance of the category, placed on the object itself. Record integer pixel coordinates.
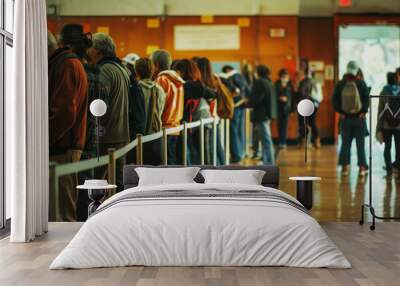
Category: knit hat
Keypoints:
(352, 68)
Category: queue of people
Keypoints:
(144, 95)
(351, 99)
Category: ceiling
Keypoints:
(221, 7)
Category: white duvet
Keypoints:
(200, 231)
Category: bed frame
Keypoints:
(270, 179)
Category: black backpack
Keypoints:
(136, 107)
(137, 111)
(393, 119)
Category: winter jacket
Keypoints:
(147, 85)
(172, 84)
(362, 89)
(285, 106)
(381, 122)
(68, 102)
(115, 122)
(263, 100)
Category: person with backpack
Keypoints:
(264, 103)
(351, 100)
(172, 84)
(68, 106)
(196, 104)
(221, 107)
(154, 101)
(115, 123)
(96, 90)
(233, 78)
(388, 123)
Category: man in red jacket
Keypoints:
(68, 105)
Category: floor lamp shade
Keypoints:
(305, 107)
(98, 108)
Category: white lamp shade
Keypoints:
(98, 107)
(305, 107)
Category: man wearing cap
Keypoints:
(68, 106)
(351, 99)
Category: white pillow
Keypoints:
(248, 177)
(166, 176)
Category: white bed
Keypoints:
(201, 231)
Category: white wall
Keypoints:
(220, 7)
(176, 7)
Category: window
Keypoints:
(6, 44)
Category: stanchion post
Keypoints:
(214, 141)
(53, 193)
(111, 166)
(164, 147)
(139, 150)
(227, 142)
(247, 131)
(184, 144)
(112, 177)
(201, 142)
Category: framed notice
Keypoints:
(277, 33)
(206, 37)
(316, 65)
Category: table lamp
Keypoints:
(305, 108)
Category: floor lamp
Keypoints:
(98, 108)
(96, 188)
(304, 192)
(305, 108)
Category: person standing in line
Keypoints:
(212, 81)
(304, 91)
(248, 74)
(68, 105)
(154, 101)
(388, 127)
(283, 89)
(264, 103)
(114, 125)
(196, 106)
(351, 100)
(96, 90)
(237, 134)
(172, 84)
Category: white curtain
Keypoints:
(27, 159)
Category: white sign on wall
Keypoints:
(207, 37)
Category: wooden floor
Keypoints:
(375, 257)
(338, 198)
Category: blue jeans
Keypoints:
(353, 128)
(283, 119)
(237, 135)
(266, 140)
(172, 142)
(220, 149)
